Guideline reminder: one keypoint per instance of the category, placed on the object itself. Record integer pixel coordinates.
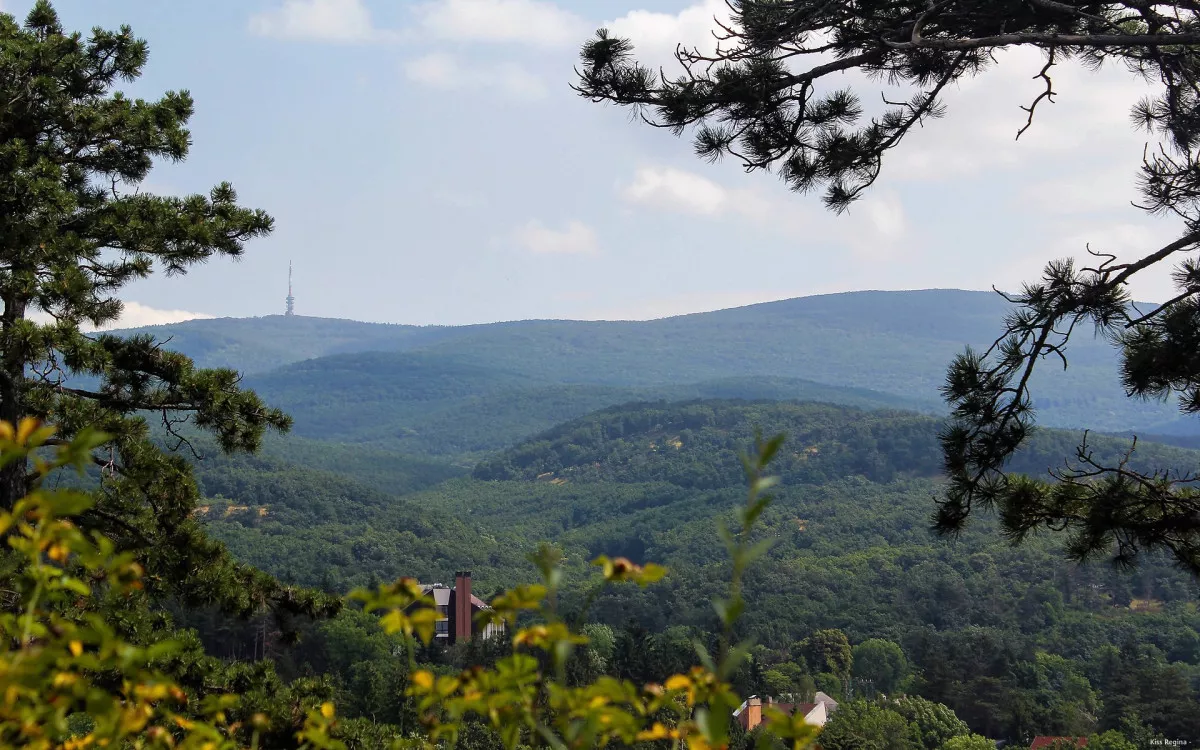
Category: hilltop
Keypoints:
(952, 317)
(465, 390)
(695, 445)
(252, 345)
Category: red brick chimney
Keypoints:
(753, 713)
(462, 605)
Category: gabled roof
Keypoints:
(804, 709)
(441, 596)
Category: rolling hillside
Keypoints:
(253, 345)
(850, 548)
(405, 386)
(612, 482)
(418, 404)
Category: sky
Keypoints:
(426, 162)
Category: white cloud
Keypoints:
(135, 315)
(1089, 118)
(654, 35)
(676, 189)
(874, 229)
(317, 20)
(1099, 191)
(884, 223)
(442, 71)
(575, 238)
(516, 21)
(687, 192)
(436, 70)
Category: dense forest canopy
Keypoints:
(852, 551)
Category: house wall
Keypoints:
(818, 716)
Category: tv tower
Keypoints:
(291, 301)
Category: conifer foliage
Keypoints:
(74, 230)
(767, 97)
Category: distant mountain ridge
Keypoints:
(260, 344)
(891, 348)
(264, 343)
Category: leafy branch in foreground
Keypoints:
(765, 96)
(68, 680)
(526, 699)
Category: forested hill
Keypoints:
(851, 549)
(696, 445)
(888, 348)
(610, 483)
(426, 403)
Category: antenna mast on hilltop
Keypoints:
(291, 301)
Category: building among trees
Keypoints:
(458, 606)
(750, 714)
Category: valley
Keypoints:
(428, 389)
(466, 466)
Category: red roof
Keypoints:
(1039, 742)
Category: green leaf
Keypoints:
(65, 503)
(729, 610)
(755, 510)
(762, 484)
(758, 549)
(706, 659)
(726, 536)
(767, 451)
(548, 560)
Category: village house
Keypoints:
(750, 714)
(457, 607)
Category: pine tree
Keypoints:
(74, 230)
(766, 98)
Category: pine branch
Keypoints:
(1087, 41)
